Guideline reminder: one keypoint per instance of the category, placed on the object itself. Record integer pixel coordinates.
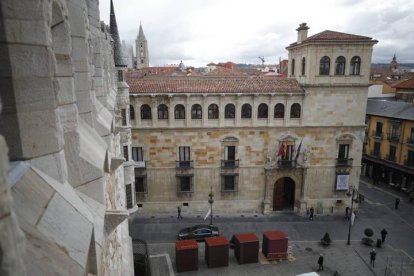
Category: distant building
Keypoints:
(142, 49)
(389, 144)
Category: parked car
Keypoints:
(198, 232)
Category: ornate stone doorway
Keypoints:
(284, 194)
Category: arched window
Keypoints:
(279, 111)
(303, 66)
(146, 112)
(355, 65)
(262, 111)
(340, 66)
(295, 111)
(293, 67)
(196, 112)
(179, 111)
(246, 111)
(230, 111)
(213, 111)
(324, 66)
(162, 111)
(131, 112)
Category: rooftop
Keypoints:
(390, 109)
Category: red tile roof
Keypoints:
(327, 35)
(404, 84)
(213, 85)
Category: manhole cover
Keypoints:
(308, 249)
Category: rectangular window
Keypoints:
(184, 160)
(410, 158)
(123, 114)
(140, 185)
(378, 130)
(120, 75)
(230, 153)
(184, 184)
(391, 155)
(343, 152)
(229, 183)
(377, 147)
(128, 193)
(137, 154)
(412, 135)
(126, 155)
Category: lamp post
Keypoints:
(350, 220)
(211, 201)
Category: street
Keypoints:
(377, 212)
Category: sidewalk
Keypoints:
(352, 260)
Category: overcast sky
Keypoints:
(201, 31)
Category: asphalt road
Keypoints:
(376, 212)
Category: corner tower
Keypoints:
(142, 49)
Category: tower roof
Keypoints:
(113, 30)
(141, 33)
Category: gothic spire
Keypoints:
(113, 30)
(141, 32)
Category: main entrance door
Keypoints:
(284, 194)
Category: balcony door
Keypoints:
(343, 152)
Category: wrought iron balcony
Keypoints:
(344, 162)
(140, 165)
(376, 153)
(376, 134)
(409, 163)
(187, 164)
(286, 164)
(393, 137)
(230, 164)
(390, 158)
(410, 140)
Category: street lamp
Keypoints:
(352, 209)
(211, 201)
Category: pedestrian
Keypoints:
(179, 213)
(383, 235)
(347, 213)
(320, 262)
(397, 202)
(311, 213)
(373, 255)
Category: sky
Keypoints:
(202, 31)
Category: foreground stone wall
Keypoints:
(59, 91)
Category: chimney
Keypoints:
(302, 32)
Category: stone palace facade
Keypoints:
(260, 144)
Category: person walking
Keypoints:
(320, 262)
(179, 213)
(347, 213)
(311, 213)
(397, 202)
(373, 255)
(383, 235)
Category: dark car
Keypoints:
(198, 232)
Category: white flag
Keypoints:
(208, 213)
(352, 218)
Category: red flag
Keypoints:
(282, 149)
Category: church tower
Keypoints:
(142, 49)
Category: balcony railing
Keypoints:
(377, 134)
(140, 164)
(187, 164)
(286, 164)
(393, 137)
(344, 162)
(390, 158)
(410, 140)
(409, 163)
(376, 153)
(230, 163)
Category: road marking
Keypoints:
(167, 257)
